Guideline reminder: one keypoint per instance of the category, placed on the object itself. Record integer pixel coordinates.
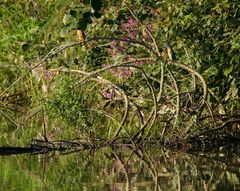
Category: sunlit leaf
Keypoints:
(221, 109)
(156, 71)
(63, 32)
(67, 19)
(119, 58)
(228, 71)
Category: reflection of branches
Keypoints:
(123, 167)
(155, 172)
(28, 172)
(44, 172)
(147, 160)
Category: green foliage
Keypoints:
(68, 103)
(204, 34)
(209, 32)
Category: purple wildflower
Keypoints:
(48, 75)
(114, 44)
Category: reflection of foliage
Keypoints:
(122, 75)
(106, 169)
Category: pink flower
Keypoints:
(139, 62)
(114, 44)
(127, 73)
(132, 22)
(132, 34)
(107, 94)
(48, 75)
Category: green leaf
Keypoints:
(119, 58)
(82, 24)
(96, 4)
(63, 32)
(25, 46)
(211, 71)
(234, 89)
(73, 13)
(232, 92)
(221, 109)
(237, 58)
(228, 71)
(97, 14)
(85, 2)
(156, 71)
(87, 16)
(67, 19)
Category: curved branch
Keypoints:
(102, 80)
(153, 113)
(204, 84)
(61, 48)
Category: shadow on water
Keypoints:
(120, 169)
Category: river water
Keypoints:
(119, 170)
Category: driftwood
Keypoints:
(41, 146)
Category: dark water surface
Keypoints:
(120, 169)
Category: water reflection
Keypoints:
(120, 169)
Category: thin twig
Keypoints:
(146, 28)
(219, 127)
